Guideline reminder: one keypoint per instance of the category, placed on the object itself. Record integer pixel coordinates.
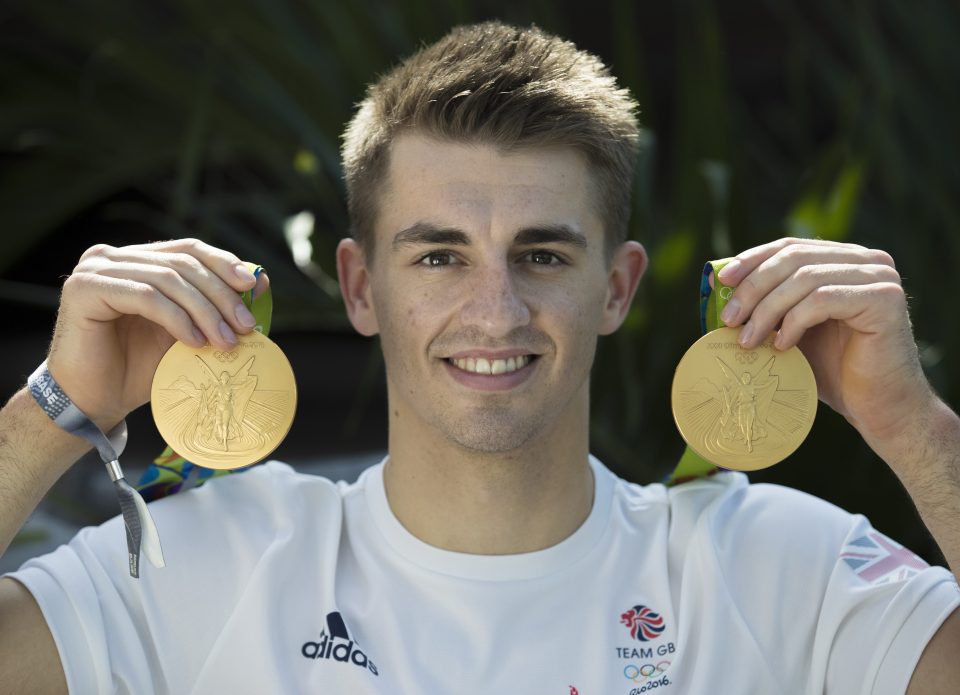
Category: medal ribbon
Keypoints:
(141, 531)
(712, 301)
(170, 473)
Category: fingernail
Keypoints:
(199, 336)
(244, 273)
(227, 334)
(729, 269)
(730, 311)
(745, 334)
(244, 316)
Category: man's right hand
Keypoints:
(122, 308)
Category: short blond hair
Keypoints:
(506, 86)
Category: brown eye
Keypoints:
(544, 258)
(436, 259)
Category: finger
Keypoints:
(196, 273)
(108, 298)
(746, 262)
(175, 286)
(227, 266)
(263, 284)
(865, 308)
(775, 270)
(772, 308)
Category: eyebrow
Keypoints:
(550, 234)
(426, 233)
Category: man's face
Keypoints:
(488, 284)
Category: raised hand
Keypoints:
(844, 306)
(122, 308)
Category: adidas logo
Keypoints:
(335, 643)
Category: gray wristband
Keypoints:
(59, 408)
(141, 531)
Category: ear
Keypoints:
(626, 268)
(355, 287)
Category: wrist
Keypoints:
(918, 444)
(106, 418)
(37, 433)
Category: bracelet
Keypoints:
(57, 405)
(141, 531)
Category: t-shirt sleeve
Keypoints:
(118, 634)
(95, 620)
(882, 606)
(836, 605)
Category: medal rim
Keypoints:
(241, 461)
(730, 336)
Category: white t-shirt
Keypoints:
(278, 582)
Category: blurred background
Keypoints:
(127, 122)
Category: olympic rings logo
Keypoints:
(638, 674)
(225, 356)
(726, 292)
(746, 357)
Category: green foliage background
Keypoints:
(221, 119)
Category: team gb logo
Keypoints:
(644, 623)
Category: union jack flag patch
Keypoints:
(878, 560)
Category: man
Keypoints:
(488, 179)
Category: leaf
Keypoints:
(828, 214)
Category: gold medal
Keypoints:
(224, 408)
(743, 409)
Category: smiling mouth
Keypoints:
(481, 365)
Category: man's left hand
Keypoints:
(844, 306)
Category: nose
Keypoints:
(493, 303)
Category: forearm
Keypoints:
(34, 453)
(926, 458)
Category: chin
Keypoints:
(494, 435)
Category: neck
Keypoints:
(487, 503)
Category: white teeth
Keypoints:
(481, 365)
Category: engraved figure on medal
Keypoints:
(746, 401)
(223, 401)
(222, 416)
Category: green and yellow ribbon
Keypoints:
(712, 301)
(170, 473)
